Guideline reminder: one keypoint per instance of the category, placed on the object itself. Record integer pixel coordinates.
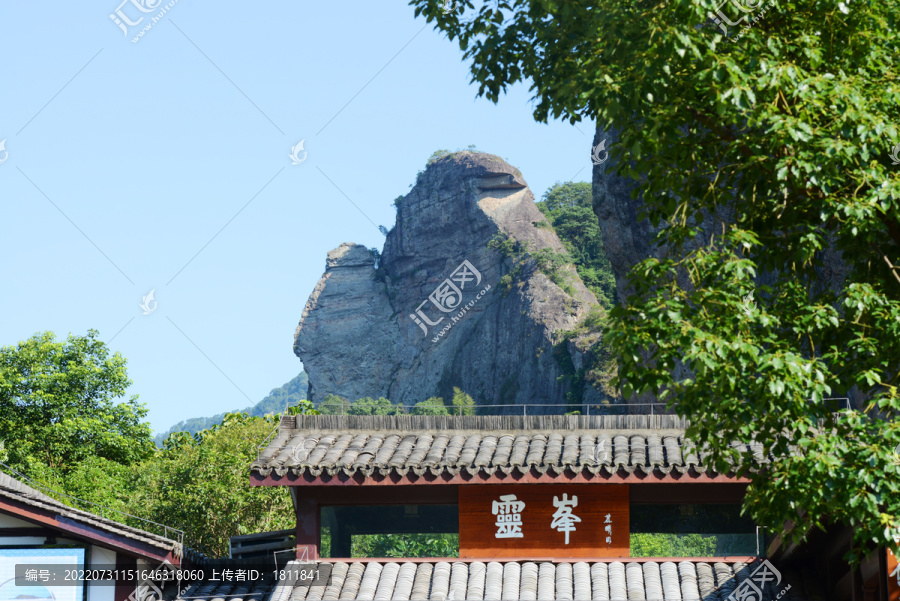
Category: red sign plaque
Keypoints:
(544, 520)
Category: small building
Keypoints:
(545, 507)
(38, 530)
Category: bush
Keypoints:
(370, 406)
(432, 406)
(333, 404)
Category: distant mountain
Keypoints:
(275, 402)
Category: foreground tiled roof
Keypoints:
(19, 492)
(423, 445)
(613, 581)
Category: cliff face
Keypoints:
(434, 314)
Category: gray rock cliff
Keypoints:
(434, 314)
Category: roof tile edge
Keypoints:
(483, 422)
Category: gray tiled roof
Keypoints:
(369, 445)
(613, 581)
(16, 490)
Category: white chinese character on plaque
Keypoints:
(608, 528)
(509, 516)
(563, 518)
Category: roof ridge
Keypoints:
(484, 422)
(15, 488)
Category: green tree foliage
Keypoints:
(370, 406)
(197, 483)
(61, 427)
(333, 404)
(645, 544)
(200, 484)
(462, 403)
(546, 260)
(58, 405)
(290, 394)
(304, 407)
(784, 129)
(568, 210)
(430, 406)
(405, 545)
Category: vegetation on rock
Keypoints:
(569, 213)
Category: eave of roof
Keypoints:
(24, 502)
(400, 579)
(515, 477)
(378, 450)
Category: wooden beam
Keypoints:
(243, 539)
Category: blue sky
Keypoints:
(164, 164)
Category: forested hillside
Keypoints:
(569, 213)
(289, 394)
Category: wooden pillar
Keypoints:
(124, 588)
(341, 541)
(307, 524)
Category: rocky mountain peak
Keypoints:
(443, 309)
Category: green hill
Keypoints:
(274, 402)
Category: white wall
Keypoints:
(8, 521)
(101, 557)
(98, 555)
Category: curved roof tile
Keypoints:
(382, 446)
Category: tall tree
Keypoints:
(784, 128)
(200, 484)
(58, 405)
